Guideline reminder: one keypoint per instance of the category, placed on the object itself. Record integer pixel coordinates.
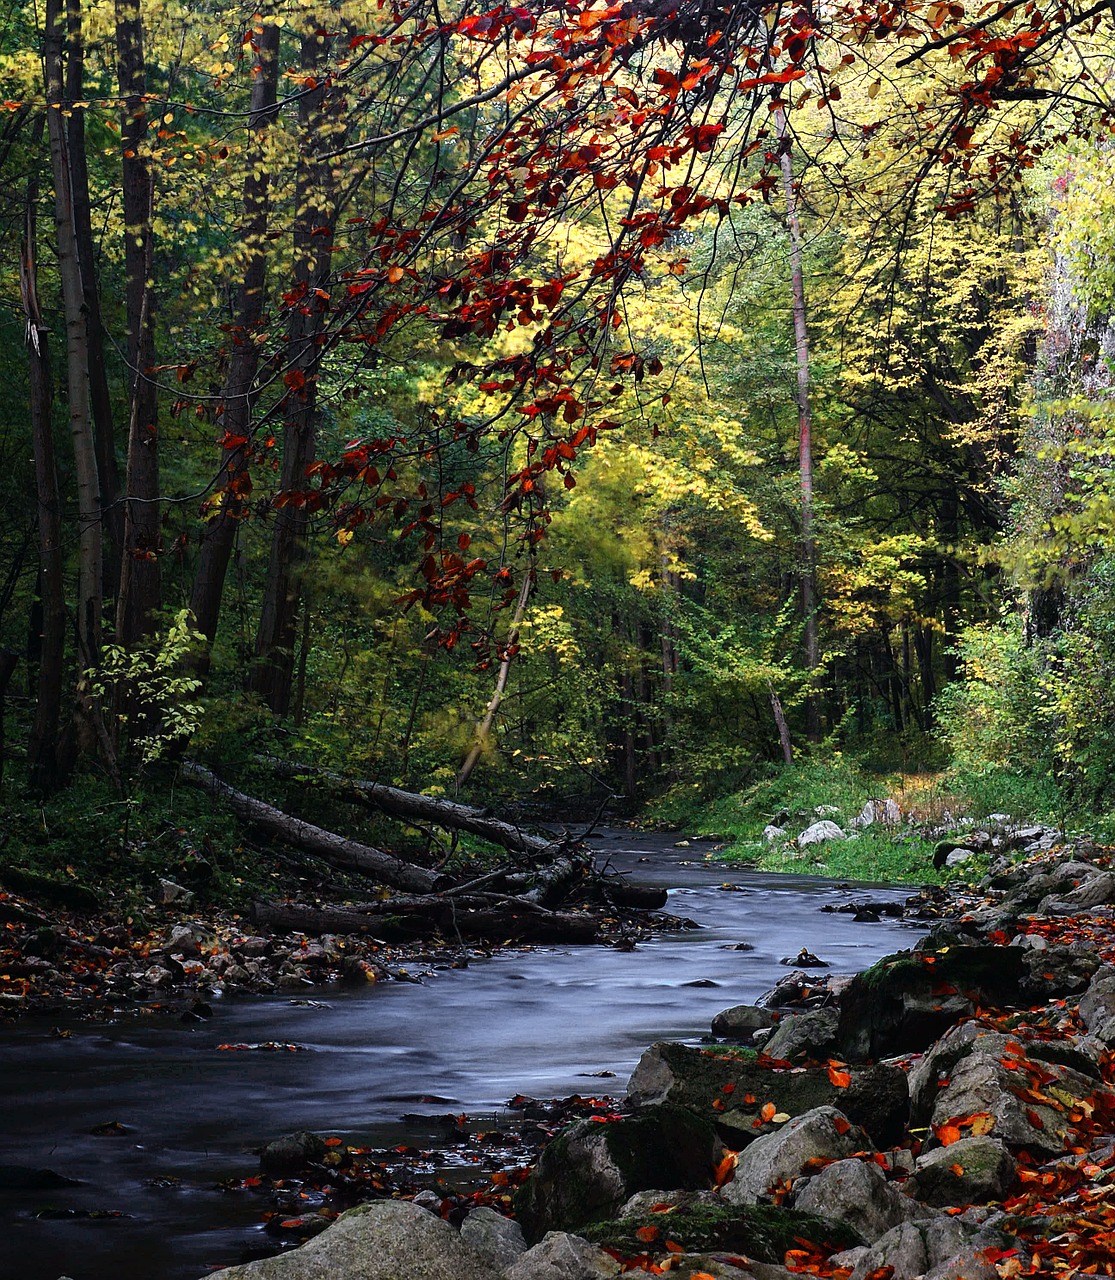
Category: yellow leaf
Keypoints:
(344, 537)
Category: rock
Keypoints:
(771, 1161)
(560, 1256)
(1097, 891)
(906, 1001)
(174, 894)
(971, 1171)
(183, 940)
(384, 1240)
(826, 810)
(157, 976)
(857, 1193)
(969, 1264)
(876, 1097)
(884, 811)
(643, 1202)
(902, 1249)
(819, 832)
(804, 1035)
(289, 1154)
(1058, 971)
(18, 1177)
(959, 856)
(805, 959)
(740, 1021)
(772, 834)
(590, 1169)
(498, 1240)
(1097, 1004)
(759, 1231)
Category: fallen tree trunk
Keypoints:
(506, 920)
(409, 805)
(347, 855)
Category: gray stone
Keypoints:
(819, 832)
(877, 1097)
(1059, 971)
(644, 1202)
(885, 811)
(1097, 1004)
(811, 1034)
(740, 1021)
(772, 1161)
(772, 834)
(496, 1239)
(959, 856)
(174, 894)
(559, 1256)
(385, 1240)
(856, 1192)
(183, 941)
(902, 1249)
(969, 1264)
(590, 1169)
(1097, 891)
(986, 1171)
(287, 1155)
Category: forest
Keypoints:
(680, 409)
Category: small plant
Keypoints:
(146, 694)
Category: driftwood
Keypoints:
(411, 806)
(348, 855)
(508, 919)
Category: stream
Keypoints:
(530, 1022)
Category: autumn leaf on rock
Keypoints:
(647, 1234)
(838, 1077)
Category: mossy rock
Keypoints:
(905, 1002)
(591, 1169)
(730, 1090)
(763, 1232)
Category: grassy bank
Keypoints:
(837, 788)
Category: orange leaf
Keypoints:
(332, 1142)
(840, 1125)
(841, 1079)
(646, 1234)
(769, 1111)
(394, 275)
(958, 1169)
(725, 1168)
(948, 1134)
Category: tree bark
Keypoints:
(510, 647)
(234, 481)
(782, 726)
(100, 400)
(89, 595)
(8, 662)
(140, 590)
(42, 753)
(348, 855)
(508, 920)
(410, 806)
(805, 425)
(322, 128)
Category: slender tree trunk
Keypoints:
(42, 749)
(805, 426)
(782, 726)
(89, 595)
(510, 648)
(140, 591)
(104, 435)
(234, 482)
(321, 119)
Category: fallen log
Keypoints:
(409, 805)
(347, 855)
(499, 922)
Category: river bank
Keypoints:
(949, 1112)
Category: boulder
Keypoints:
(1058, 971)
(876, 1097)
(971, 1171)
(590, 1169)
(913, 1249)
(906, 1001)
(770, 1162)
(819, 832)
(804, 1035)
(759, 1231)
(772, 834)
(1097, 1004)
(559, 1256)
(885, 811)
(498, 1240)
(741, 1021)
(856, 1192)
(1095, 891)
(286, 1156)
(384, 1240)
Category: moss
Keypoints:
(763, 1232)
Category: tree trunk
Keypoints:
(322, 128)
(348, 855)
(783, 727)
(409, 806)
(805, 426)
(8, 662)
(140, 591)
(42, 756)
(510, 648)
(233, 481)
(508, 920)
(89, 594)
(104, 435)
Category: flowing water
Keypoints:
(534, 1022)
